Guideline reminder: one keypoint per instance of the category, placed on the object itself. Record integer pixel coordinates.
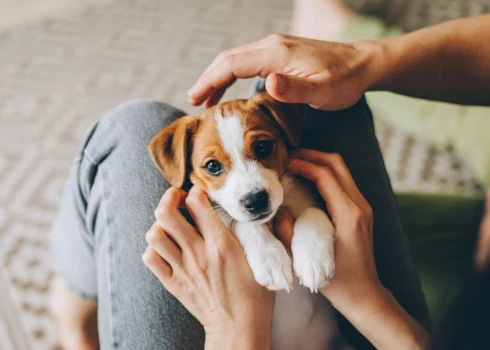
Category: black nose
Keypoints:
(256, 202)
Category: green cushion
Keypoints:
(442, 230)
(465, 129)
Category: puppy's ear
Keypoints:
(170, 149)
(289, 116)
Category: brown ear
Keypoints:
(169, 149)
(289, 116)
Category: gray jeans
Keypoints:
(107, 207)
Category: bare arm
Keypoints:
(380, 318)
(448, 62)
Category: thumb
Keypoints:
(201, 210)
(291, 89)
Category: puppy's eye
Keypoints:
(263, 149)
(213, 167)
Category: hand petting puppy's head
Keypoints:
(236, 151)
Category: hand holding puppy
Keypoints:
(353, 221)
(356, 290)
(206, 270)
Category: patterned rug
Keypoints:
(58, 75)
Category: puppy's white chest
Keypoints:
(303, 319)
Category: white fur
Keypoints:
(312, 248)
(245, 175)
(266, 256)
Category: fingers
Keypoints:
(205, 88)
(284, 227)
(336, 163)
(158, 266)
(333, 160)
(205, 218)
(216, 96)
(337, 200)
(164, 245)
(173, 222)
(241, 65)
(293, 89)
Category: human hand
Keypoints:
(352, 218)
(205, 268)
(325, 75)
(355, 290)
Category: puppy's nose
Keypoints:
(256, 202)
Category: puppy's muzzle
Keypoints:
(257, 203)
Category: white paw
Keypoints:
(313, 249)
(271, 265)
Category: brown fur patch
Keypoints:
(261, 120)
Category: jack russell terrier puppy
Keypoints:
(238, 153)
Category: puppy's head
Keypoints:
(236, 151)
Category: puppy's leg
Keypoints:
(267, 257)
(313, 248)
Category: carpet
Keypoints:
(58, 75)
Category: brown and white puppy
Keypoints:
(238, 153)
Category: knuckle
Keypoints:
(369, 211)
(149, 257)
(172, 191)
(276, 37)
(195, 198)
(163, 212)
(336, 158)
(283, 47)
(229, 59)
(219, 249)
(326, 172)
(192, 201)
(152, 236)
(369, 215)
(222, 55)
(357, 215)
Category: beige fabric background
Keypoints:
(62, 66)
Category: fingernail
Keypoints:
(280, 85)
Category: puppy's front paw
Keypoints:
(313, 249)
(271, 266)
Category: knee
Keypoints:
(139, 118)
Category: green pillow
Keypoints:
(464, 129)
(442, 231)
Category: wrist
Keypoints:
(373, 52)
(242, 336)
(376, 308)
(359, 300)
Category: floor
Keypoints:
(21, 12)
(63, 63)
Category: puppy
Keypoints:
(238, 153)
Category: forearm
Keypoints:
(448, 62)
(383, 321)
